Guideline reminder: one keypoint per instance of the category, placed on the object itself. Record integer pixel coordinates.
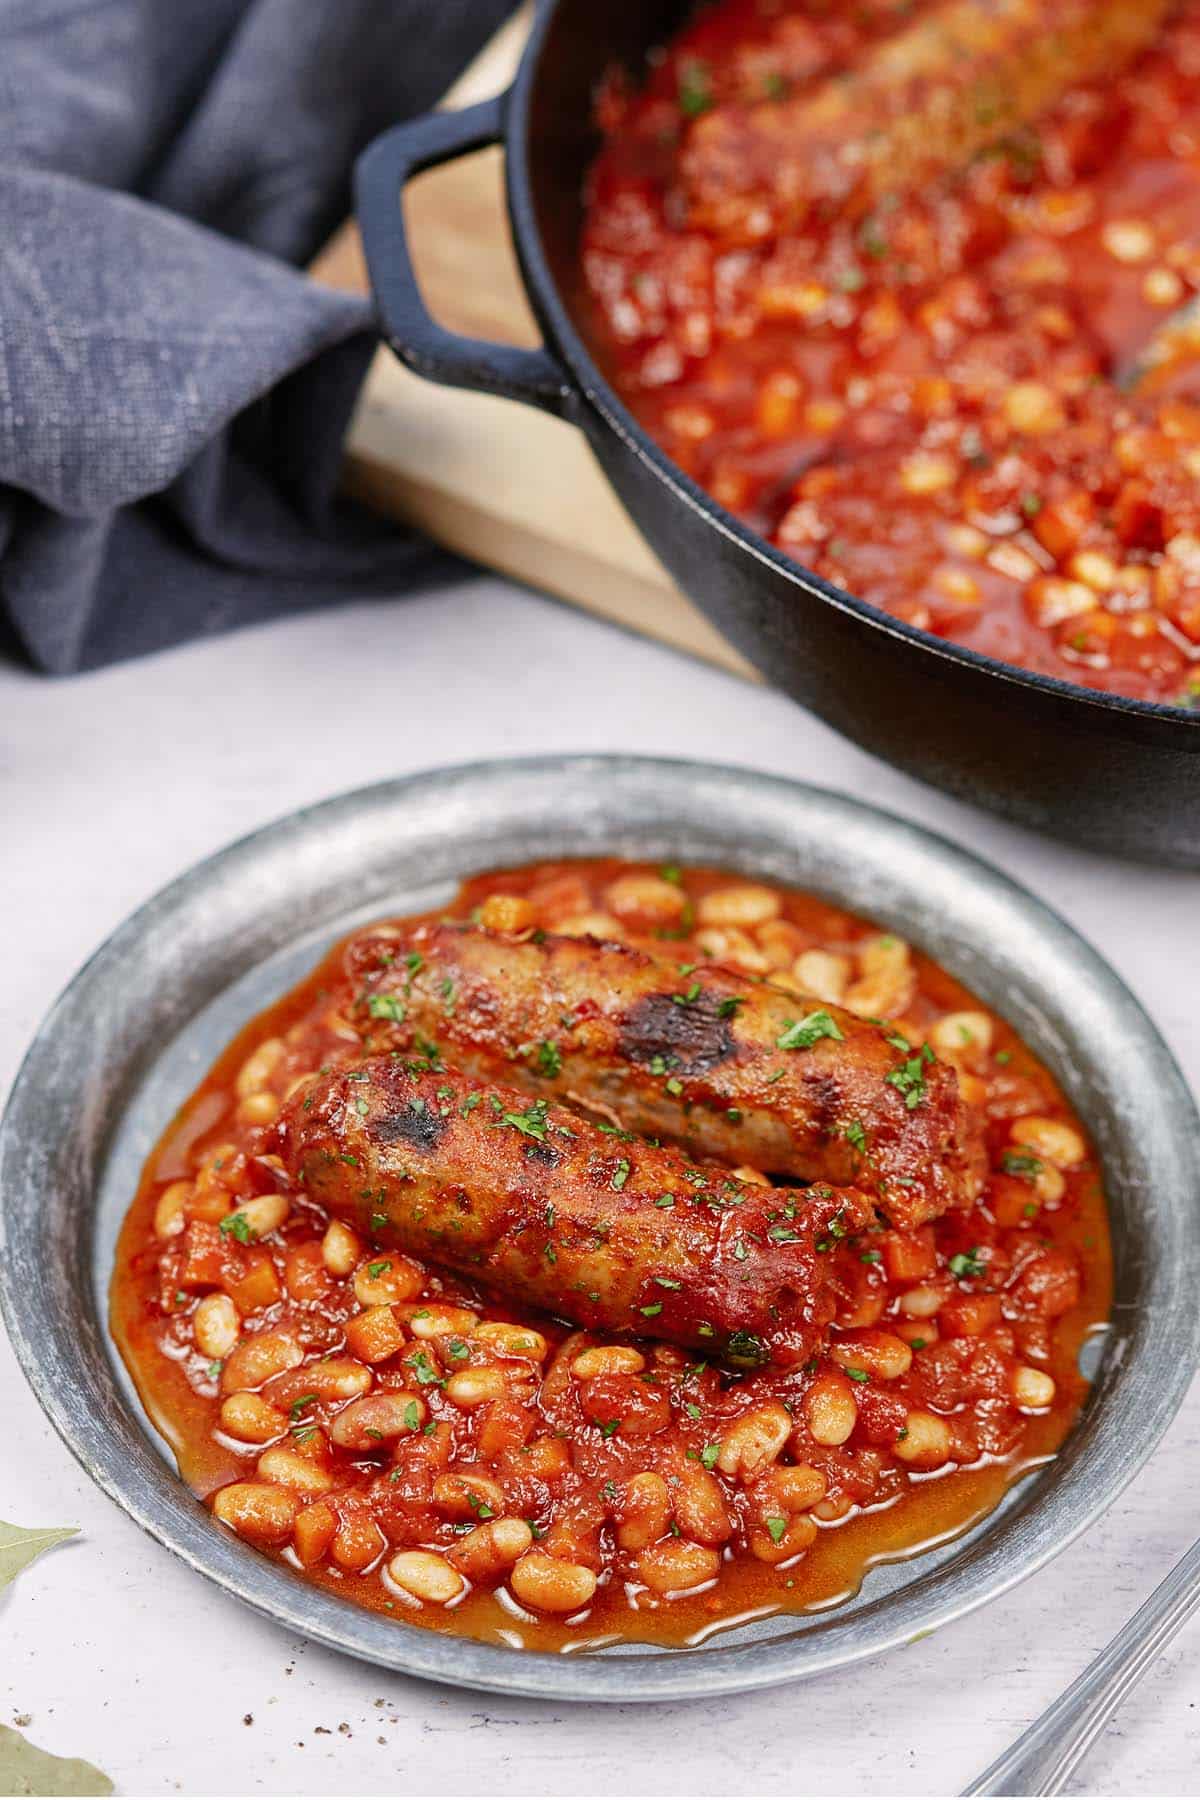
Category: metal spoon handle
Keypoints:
(1044, 1758)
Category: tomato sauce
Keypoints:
(925, 397)
(375, 1422)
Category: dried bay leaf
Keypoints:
(19, 1545)
(24, 1769)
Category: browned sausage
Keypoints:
(550, 1210)
(737, 1070)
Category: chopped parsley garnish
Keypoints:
(689, 998)
(300, 1404)
(386, 1006)
(665, 1201)
(423, 1369)
(533, 1122)
(1022, 1163)
(801, 1034)
(870, 1256)
(672, 872)
(376, 1269)
(237, 1225)
(783, 1234)
(855, 1135)
(549, 1058)
(728, 1008)
(968, 1264)
(709, 1455)
(745, 1347)
(608, 1429)
(651, 1312)
(412, 1415)
(620, 1174)
(873, 240)
(909, 1077)
(695, 95)
(836, 1230)
(776, 1527)
(858, 1374)
(666, 1282)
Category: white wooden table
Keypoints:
(110, 1648)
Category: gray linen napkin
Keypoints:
(173, 390)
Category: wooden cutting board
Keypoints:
(504, 484)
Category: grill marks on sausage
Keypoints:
(826, 1098)
(688, 1036)
(681, 1052)
(570, 1223)
(544, 1154)
(415, 1125)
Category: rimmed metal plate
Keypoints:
(145, 1017)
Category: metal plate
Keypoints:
(143, 1019)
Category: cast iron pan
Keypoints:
(1120, 775)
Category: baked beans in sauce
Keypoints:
(430, 1452)
(922, 398)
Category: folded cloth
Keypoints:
(173, 390)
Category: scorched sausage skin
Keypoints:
(730, 1067)
(547, 1209)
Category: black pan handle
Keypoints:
(534, 376)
